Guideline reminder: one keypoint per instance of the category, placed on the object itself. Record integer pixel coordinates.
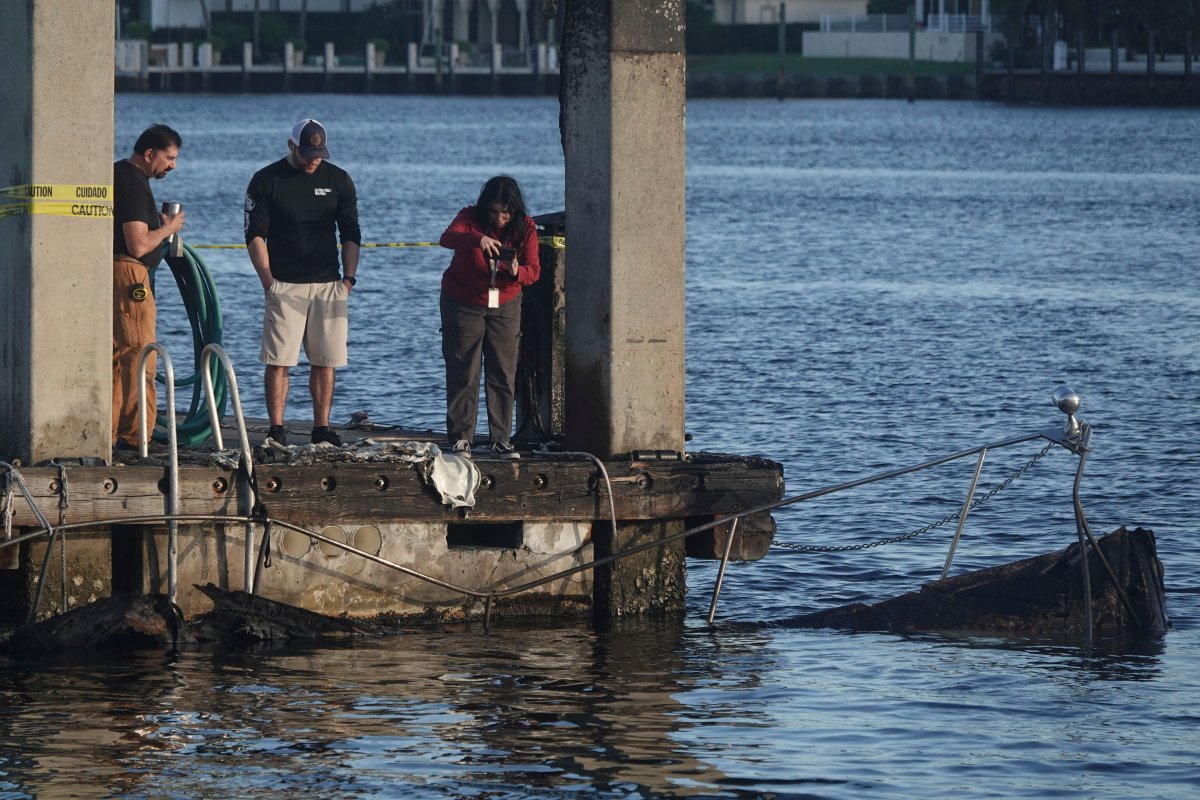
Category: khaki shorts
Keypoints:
(312, 313)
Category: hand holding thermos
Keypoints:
(172, 220)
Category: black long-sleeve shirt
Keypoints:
(296, 213)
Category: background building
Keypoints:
(763, 12)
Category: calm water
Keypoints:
(869, 284)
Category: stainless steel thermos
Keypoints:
(174, 242)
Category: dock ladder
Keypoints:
(247, 463)
(172, 494)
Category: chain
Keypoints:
(63, 502)
(7, 513)
(931, 526)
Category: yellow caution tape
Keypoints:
(400, 244)
(95, 201)
(89, 201)
(384, 244)
(85, 210)
(557, 242)
(59, 192)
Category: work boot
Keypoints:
(278, 433)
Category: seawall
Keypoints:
(1021, 87)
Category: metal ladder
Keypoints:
(243, 440)
(172, 495)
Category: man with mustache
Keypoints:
(139, 231)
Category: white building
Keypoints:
(750, 12)
(483, 23)
(190, 13)
(764, 12)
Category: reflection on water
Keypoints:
(645, 708)
(528, 707)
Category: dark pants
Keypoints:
(467, 333)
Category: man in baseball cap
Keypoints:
(296, 209)
(310, 138)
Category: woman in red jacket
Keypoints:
(495, 254)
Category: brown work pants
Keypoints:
(133, 329)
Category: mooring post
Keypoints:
(1114, 62)
(247, 65)
(912, 54)
(289, 58)
(1010, 41)
(979, 63)
(1187, 66)
(623, 137)
(541, 371)
(779, 78)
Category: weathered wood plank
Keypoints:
(532, 489)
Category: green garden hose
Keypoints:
(203, 308)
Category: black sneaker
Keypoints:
(326, 434)
(122, 446)
(461, 448)
(278, 433)
(505, 450)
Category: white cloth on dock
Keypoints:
(455, 477)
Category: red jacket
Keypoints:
(467, 279)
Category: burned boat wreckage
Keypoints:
(1119, 592)
(1109, 587)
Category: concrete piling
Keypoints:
(56, 230)
(623, 137)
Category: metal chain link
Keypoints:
(805, 548)
(63, 502)
(8, 499)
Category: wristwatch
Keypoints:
(351, 278)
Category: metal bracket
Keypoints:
(1078, 444)
(655, 455)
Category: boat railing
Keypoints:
(1075, 436)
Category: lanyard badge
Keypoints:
(493, 292)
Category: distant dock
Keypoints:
(1020, 87)
(1102, 78)
(141, 67)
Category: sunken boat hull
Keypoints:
(1040, 596)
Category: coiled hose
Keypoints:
(203, 308)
